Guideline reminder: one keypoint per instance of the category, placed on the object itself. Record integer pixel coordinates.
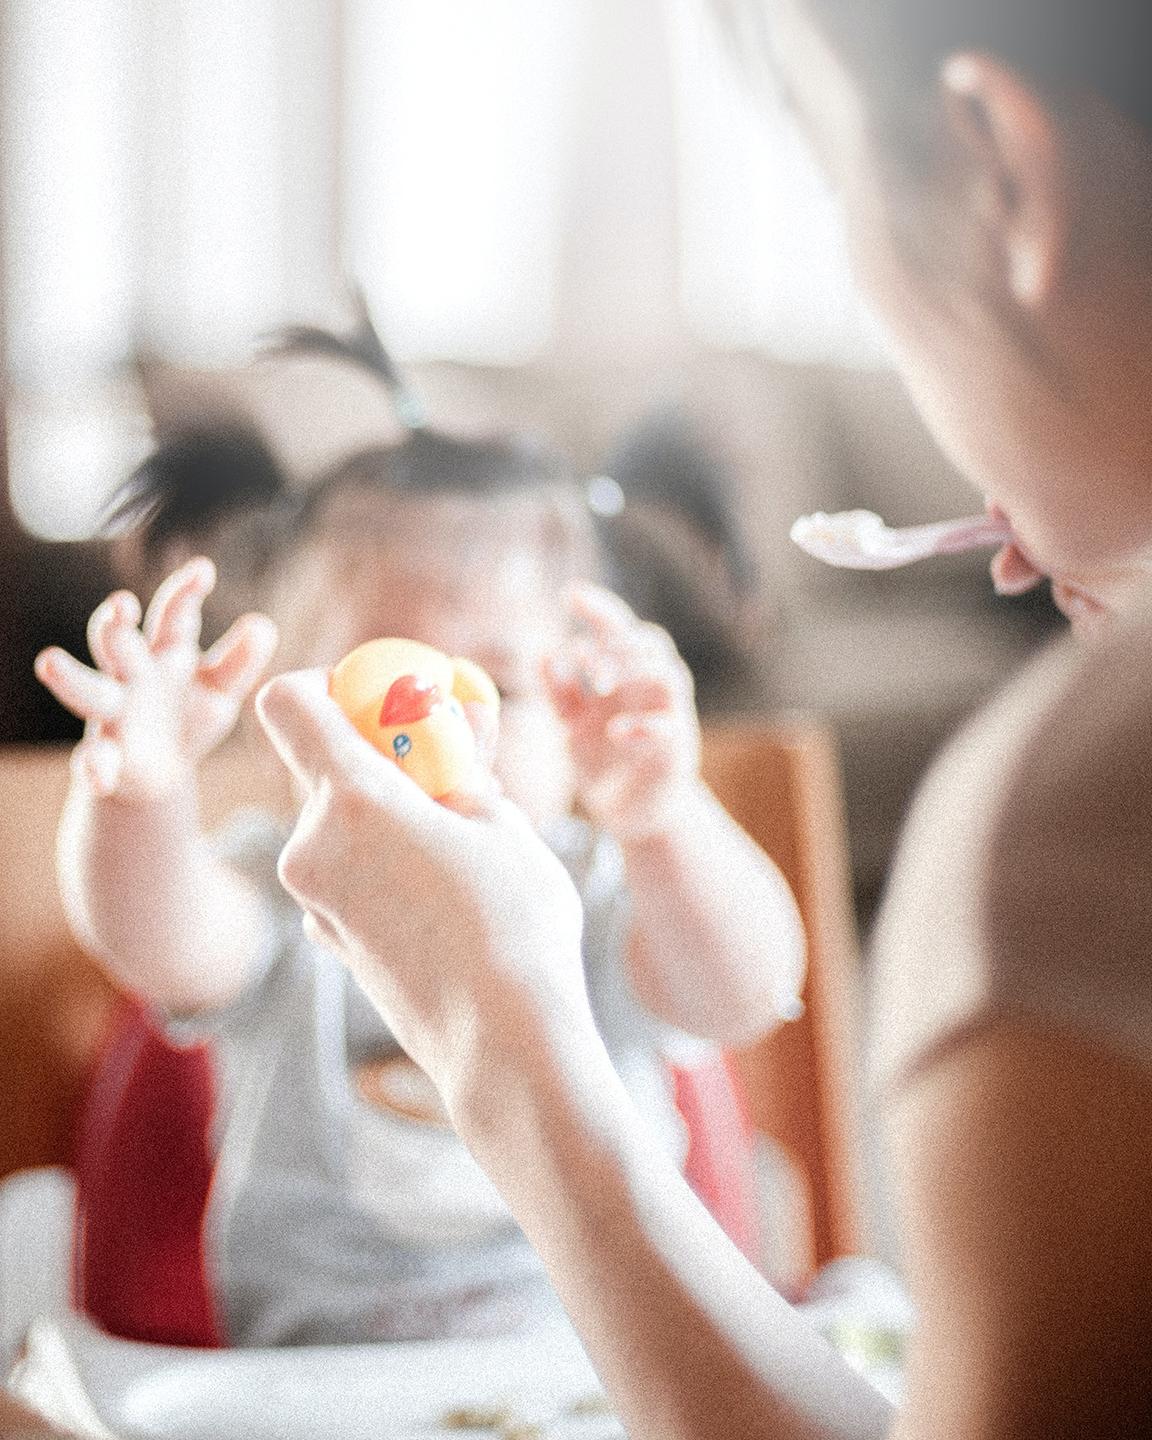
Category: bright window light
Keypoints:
(763, 262)
(215, 159)
(454, 137)
(69, 86)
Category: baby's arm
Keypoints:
(141, 885)
(717, 946)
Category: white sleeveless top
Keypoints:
(343, 1207)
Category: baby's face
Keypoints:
(457, 575)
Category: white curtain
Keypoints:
(762, 259)
(456, 113)
(166, 176)
(510, 180)
(167, 182)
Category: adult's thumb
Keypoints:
(310, 732)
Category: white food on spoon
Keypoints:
(860, 540)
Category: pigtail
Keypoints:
(673, 549)
(196, 478)
(664, 461)
(364, 349)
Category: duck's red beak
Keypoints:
(409, 699)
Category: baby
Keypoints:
(344, 1208)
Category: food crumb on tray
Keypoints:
(505, 1423)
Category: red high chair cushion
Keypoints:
(144, 1168)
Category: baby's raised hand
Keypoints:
(626, 698)
(156, 704)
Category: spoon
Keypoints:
(860, 540)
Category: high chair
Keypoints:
(67, 1038)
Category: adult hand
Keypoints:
(463, 929)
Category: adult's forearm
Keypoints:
(718, 946)
(147, 895)
(690, 1341)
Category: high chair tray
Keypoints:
(371, 1392)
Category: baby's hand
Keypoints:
(626, 697)
(156, 704)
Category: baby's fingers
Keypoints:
(601, 611)
(88, 693)
(579, 677)
(174, 616)
(614, 643)
(642, 732)
(643, 695)
(580, 700)
(652, 746)
(114, 638)
(564, 684)
(240, 657)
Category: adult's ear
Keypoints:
(1014, 169)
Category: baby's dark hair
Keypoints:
(211, 477)
(1067, 46)
(430, 462)
(435, 462)
(485, 470)
(197, 478)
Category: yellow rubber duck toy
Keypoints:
(419, 707)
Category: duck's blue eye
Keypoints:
(401, 745)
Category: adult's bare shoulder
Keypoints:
(931, 963)
(1067, 884)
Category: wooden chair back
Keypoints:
(55, 1004)
(781, 781)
